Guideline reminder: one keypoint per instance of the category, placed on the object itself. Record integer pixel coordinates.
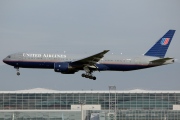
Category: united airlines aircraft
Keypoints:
(69, 64)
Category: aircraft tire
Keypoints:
(83, 75)
(18, 73)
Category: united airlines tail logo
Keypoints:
(165, 41)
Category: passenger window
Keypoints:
(9, 56)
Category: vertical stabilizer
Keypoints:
(161, 46)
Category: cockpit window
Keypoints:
(9, 56)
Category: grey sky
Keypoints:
(80, 26)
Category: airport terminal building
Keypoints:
(45, 104)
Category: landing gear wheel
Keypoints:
(83, 75)
(94, 78)
(88, 76)
(17, 69)
(18, 73)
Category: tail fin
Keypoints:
(161, 46)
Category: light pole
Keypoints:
(112, 101)
(82, 102)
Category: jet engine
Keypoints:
(64, 68)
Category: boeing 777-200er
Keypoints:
(65, 64)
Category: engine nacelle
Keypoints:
(64, 67)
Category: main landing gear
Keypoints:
(17, 69)
(88, 73)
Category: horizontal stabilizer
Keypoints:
(163, 60)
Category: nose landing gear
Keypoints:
(17, 69)
(18, 73)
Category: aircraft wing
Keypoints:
(162, 60)
(91, 60)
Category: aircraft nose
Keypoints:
(4, 60)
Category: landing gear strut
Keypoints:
(17, 69)
(88, 73)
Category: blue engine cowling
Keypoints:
(64, 67)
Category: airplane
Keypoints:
(67, 64)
